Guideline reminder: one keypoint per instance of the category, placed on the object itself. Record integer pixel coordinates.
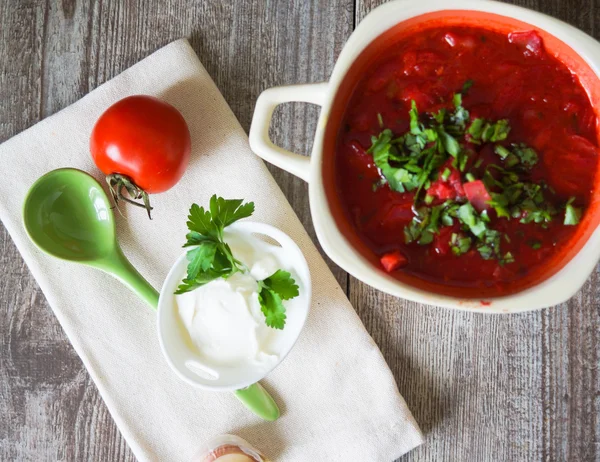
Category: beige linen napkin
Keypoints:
(338, 397)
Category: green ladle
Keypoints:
(67, 215)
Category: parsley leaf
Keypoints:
(201, 258)
(273, 290)
(211, 257)
(500, 203)
(399, 179)
(200, 223)
(415, 126)
(282, 282)
(525, 154)
(468, 215)
(536, 213)
(460, 244)
(426, 223)
(272, 307)
(485, 131)
(225, 212)
(489, 246)
(188, 285)
(449, 143)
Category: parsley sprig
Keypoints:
(210, 257)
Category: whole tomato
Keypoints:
(143, 145)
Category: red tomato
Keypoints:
(450, 188)
(441, 241)
(529, 41)
(393, 260)
(478, 195)
(145, 139)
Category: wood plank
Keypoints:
(522, 387)
(42, 381)
(53, 53)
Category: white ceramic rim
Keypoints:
(165, 301)
(554, 290)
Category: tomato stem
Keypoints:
(116, 183)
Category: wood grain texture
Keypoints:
(523, 387)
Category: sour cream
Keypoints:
(223, 318)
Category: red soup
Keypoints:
(466, 158)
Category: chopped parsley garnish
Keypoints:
(446, 174)
(572, 214)
(421, 157)
(518, 154)
(408, 161)
(469, 216)
(535, 244)
(460, 244)
(483, 131)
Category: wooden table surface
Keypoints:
(483, 388)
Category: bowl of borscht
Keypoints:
(456, 156)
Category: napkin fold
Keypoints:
(338, 397)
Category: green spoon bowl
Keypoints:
(67, 215)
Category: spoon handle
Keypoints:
(259, 401)
(118, 266)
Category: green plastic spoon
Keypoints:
(67, 215)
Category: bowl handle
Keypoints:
(261, 143)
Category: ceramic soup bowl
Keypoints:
(578, 51)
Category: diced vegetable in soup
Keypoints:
(467, 158)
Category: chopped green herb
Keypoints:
(534, 213)
(467, 86)
(500, 204)
(508, 258)
(485, 131)
(572, 214)
(535, 245)
(399, 179)
(468, 215)
(476, 129)
(526, 155)
(379, 183)
(489, 246)
(457, 100)
(449, 143)
(501, 151)
(411, 163)
(415, 127)
(449, 212)
(511, 160)
(460, 244)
